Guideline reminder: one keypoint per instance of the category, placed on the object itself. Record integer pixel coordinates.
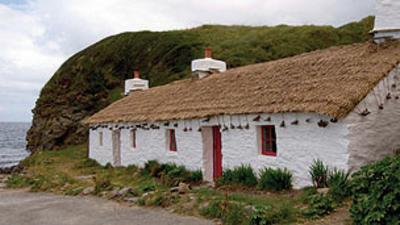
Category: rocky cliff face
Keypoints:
(94, 77)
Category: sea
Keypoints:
(13, 143)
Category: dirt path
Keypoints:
(25, 208)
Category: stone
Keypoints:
(127, 191)
(174, 189)
(323, 191)
(87, 177)
(88, 191)
(183, 188)
(3, 185)
(132, 200)
(113, 194)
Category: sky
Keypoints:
(37, 36)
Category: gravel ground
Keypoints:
(19, 207)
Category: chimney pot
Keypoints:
(136, 74)
(208, 53)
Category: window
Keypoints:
(133, 138)
(268, 140)
(171, 140)
(101, 138)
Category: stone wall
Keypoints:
(298, 145)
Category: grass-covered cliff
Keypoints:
(93, 78)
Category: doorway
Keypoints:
(116, 143)
(217, 152)
(212, 153)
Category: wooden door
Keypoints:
(217, 152)
(116, 143)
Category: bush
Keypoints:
(230, 213)
(339, 184)
(152, 168)
(319, 174)
(275, 179)
(172, 174)
(376, 193)
(196, 176)
(266, 215)
(319, 205)
(242, 175)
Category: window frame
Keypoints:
(270, 141)
(172, 144)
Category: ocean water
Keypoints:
(12, 143)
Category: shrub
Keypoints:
(230, 213)
(242, 175)
(275, 179)
(339, 184)
(266, 215)
(152, 168)
(319, 174)
(196, 176)
(376, 194)
(172, 174)
(319, 205)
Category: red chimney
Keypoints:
(208, 53)
(136, 74)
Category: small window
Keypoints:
(101, 138)
(268, 140)
(171, 140)
(133, 138)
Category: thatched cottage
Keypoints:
(340, 105)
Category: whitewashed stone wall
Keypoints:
(387, 15)
(298, 145)
(376, 135)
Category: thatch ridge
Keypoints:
(330, 82)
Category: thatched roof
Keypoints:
(330, 82)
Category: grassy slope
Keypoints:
(64, 172)
(93, 78)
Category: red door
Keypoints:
(217, 153)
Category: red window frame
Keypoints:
(268, 140)
(133, 138)
(172, 140)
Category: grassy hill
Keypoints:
(93, 78)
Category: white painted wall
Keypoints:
(377, 135)
(298, 145)
(387, 13)
(387, 20)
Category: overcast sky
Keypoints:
(36, 36)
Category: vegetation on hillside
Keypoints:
(93, 78)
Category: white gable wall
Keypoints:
(376, 135)
(298, 145)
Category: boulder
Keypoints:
(88, 191)
(183, 188)
(132, 200)
(323, 191)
